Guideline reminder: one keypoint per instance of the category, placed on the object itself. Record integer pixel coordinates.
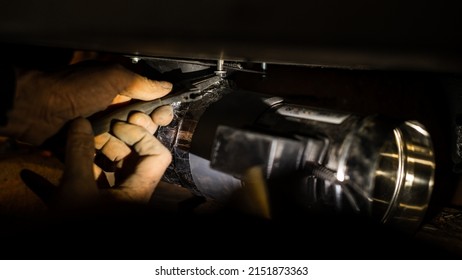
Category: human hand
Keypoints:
(79, 192)
(135, 137)
(44, 101)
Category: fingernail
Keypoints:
(163, 115)
(165, 85)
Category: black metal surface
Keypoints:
(177, 136)
(235, 151)
(412, 35)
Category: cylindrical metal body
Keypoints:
(380, 167)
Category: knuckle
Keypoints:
(139, 118)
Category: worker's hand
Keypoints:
(79, 192)
(44, 101)
(140, 157)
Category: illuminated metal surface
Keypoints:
(398, 178)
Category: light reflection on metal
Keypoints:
(418, 127)
(399, 174)
(414, 171)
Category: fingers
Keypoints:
(155, 159)
(47, 100)
(143, 120)
(139, 138)
(115, 150)
(162, 115)
(86, 88)
(135, 86)
(78, 179)
(144, 89)
(101, 140)
(111, 147)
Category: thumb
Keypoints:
(78, 184)
(142, 88)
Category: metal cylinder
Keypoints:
(379, 167)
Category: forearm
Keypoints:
(14, 57)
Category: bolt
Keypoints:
(135, 59)
(220, 72)
(263, 67)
